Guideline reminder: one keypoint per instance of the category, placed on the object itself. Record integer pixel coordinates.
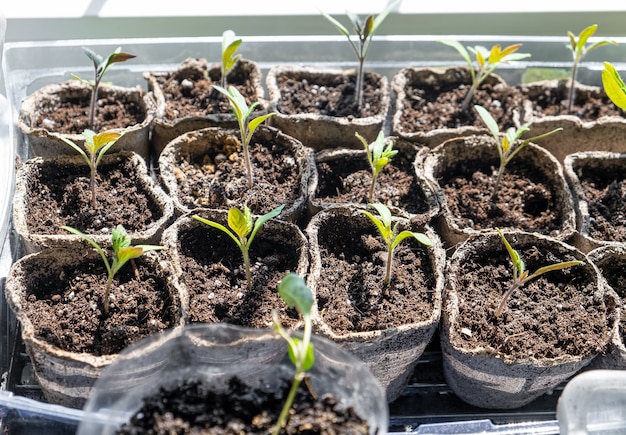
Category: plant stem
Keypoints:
(494, 194)
(107, 291)
(388, 268)
(570, 97)
(246, 262)
(469, 96)
(370, 195)
(246, 159)
(359, 83)
(505, 297)
(284, 413)
(93, 182)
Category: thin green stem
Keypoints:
(246, 262)
(360, 83)
(388, 268)
(93, 181)
(506, 296)
(494, 194)
(107, 291)
(284, 413)
(469, 96)
(570, 97)
(370, 195)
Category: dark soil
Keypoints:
(71, 116)
(331, 95)
(189, 91)
(524, 200)
(348, 180)
(613, 272)
(66, 306)
(61, 195)
(192, 408)
(219, 177)
(605, 192)
(430, 108)
(553, 102)
(350, 291)
(558, 313)
(215, 277)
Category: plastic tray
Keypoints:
(427, 405)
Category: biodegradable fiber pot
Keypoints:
(218, 356)
(132, 106)
(598, 183)
(344, 176)
(330, 119)
(209, 267)
(387, 327)
(186, 100)
(428, 104)
(595, 123)
(533, 194)
(56, 295)
(205, 168)
(550, 328)
(50, 193)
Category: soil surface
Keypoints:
(332, 95)
(61, 195)
(347, 179)
(605, 192)
(192, 408)
(613, 272)
(189, 91)
(67, 311)
(350, 291)
(558, 313)
(219, 177)
(71, 116)
(215, 277)
(431, 108)
(524, 199)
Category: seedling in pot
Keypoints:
(487, 61)
(229, 46)
(614, 85)
(122, 253)
(97, 146)
(579, 49)
(247, 126)
(391, 236)
(364, 31)
(521, 276)
(293, 290)
(244, 228)
(378, 155)
(508, 144)
(101, 66)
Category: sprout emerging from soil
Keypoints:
(378, 155)
(101, 66)
(244, 229)
(229, 58)
(293, 290)
(122, 253)
(487, 61)
(614, 85)
(247, 126)
(521, 276)
(391, 236)
(97, 146)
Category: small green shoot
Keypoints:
(294, 291)
(244, 228)
(391, 236)
(247, 126)
(365, 30)
(101, 66)
(122, 253)
(97, 146)
(521, 276)
(378, 155)
(506, 143)
(487, 61)
(614, 85)
(579, 49)
(229, 46)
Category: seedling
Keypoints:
(507, 144)
(579, 49)
(122, 253)
(614, 86)
(229, 59)
(244, 228)
(487, 61)
(101, 66)
(521, 276)
(247, 126)
(378, 155)
(97, 146)
(364, 31)
(391, 236)
(293, 290)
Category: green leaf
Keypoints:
(516, 259)
(489, 122)
(254, 124)
(239, 223)
(119, 238)
(614, 85)
(76, 148)
(460, 48)
(93, 56)
(128, 253)
(309, 358)
(294, 291)
(420, 237)
(584, 36)
(553, 267)
(220, 227)
(385, 231)
(337, 24)
(383, 211)
(261, 220)
(89, 240)
(383, 15)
